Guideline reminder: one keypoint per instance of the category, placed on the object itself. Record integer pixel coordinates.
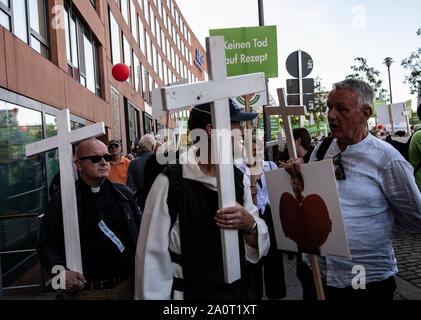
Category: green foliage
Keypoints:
(413, 65)
(363, 71)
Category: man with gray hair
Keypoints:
(376, 190)
(135, 174)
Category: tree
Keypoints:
(413, 64)
(368, 74)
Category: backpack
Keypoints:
(174, 173)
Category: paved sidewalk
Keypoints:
(407, 247)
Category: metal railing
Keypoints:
(41, 278)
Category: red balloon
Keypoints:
(121, 72)
(380, 127)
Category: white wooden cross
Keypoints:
(63, 141)
(285, 111)
(216, 91)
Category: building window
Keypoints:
(127, 56)
(93, 2)
(125, 10)
(24, 180)
(133, 20)
(141, 36)
(115, 114)
(115, 39)
(132, 125)
(147, 123)
(82, 52)
(136, 73)
(25, 17)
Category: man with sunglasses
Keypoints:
(376, 190)
(109, 220)
(119, 165)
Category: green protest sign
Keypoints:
(377, 103)
(250, 50)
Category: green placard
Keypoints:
(250, 50)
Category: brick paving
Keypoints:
(407, 247)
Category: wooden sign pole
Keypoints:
(285, 111)
(391, 119)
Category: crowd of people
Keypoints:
(152, 231)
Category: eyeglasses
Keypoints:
(95, 159)
(113, 145)
(339, 172)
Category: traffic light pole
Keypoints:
(266, 118)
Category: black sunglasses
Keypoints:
(95, 159)
(113, 145)
(340, 171)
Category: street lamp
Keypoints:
(388, 61)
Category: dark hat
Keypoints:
(111, 142)
(203, 111)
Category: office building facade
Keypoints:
(57, 54)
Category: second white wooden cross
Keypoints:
(216, 91)
(285, 111)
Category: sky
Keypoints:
(332, 32)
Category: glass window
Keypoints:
(141, 35)
(132, 126)
(148, 48)
(115, 114)
(4, 20)
(147, 121)
(115, 39)
(22, 179)
(5, 2)
(144, 80)
(146, 13)
(89, 64)
(125, 10)
(73, 41)
(136, 72)
(127, 58)
(133, 20)
(67, 30)
(19, 15)
(38, 19)
(39, 47)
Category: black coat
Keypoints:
(50, 247)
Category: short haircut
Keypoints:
(304, 135)
(147, 142)
(363, 90)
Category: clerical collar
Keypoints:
(95, 189)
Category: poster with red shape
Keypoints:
(306, 212)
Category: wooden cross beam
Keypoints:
(63, 141)
(216, 91)
(285, 111)
(280, 142)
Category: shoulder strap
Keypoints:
(326, 142)
(174, 173)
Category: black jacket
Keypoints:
(50, 247)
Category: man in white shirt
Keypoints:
(182, 259)
(376, 190)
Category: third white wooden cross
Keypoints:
(285, 111)
(216, 91)
(63, 141)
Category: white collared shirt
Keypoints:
(378, 192)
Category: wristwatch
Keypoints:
(253, 229)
